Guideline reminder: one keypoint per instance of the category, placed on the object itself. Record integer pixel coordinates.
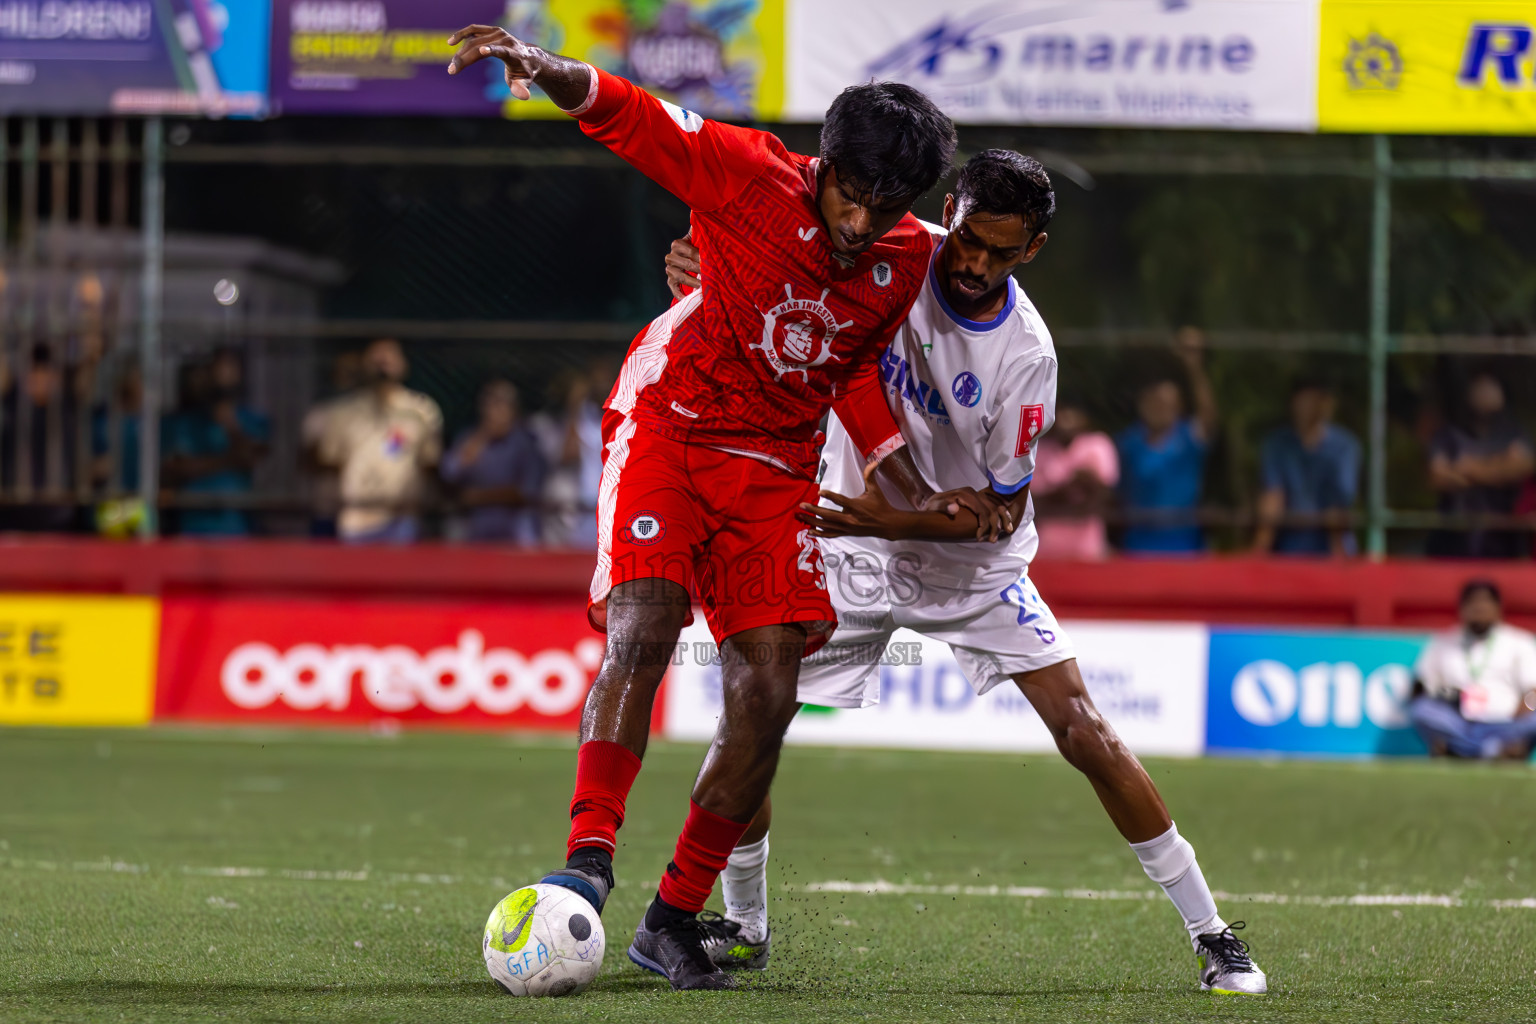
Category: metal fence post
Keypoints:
(153, 233)
(1381, 243)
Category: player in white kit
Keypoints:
(971, 382)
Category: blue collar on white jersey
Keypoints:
(969, 325)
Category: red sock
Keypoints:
(604, 773)
(702, 850)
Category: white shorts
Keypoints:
(994, 634)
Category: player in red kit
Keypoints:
(713, 439)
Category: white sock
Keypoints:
(1169, 861)
(744, 884)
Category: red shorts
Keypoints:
(721, 525)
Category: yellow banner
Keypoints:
(77, 660)
(722, 58)
(1427, 66)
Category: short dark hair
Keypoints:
(1480, 586)
(888, 139)
(1003, 182)
(1310, 383)
(503, 387)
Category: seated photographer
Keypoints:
(1475, 687)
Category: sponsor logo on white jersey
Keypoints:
(919, 395)
(396, 679)
(966, 388)
(798, 334)
(1031, 419)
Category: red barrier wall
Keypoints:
(1218, 590)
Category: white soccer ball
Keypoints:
(543, 940)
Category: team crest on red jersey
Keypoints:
(798, 334)
(1031, 419)
(644, 528)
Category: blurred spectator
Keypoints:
(119, 474)
(382, 440)
(346, 377)
(570, 432)
(48, 453)
(498, 470)
(1076, 470)
(1310, 468)
(1478, 468)
(212, 444)
(115, 469)
(1162, 457)
(1476, 686)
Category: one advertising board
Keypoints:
(1417, 66)
(68, 660)
(1148, 679)
(722, 58)
(523, 664)
(190, 57)
(1243, 64)
(1312, 693)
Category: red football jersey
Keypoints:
(780, 330)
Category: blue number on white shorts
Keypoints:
(1023, 596)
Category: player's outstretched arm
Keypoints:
(564, 80)
(704, 163)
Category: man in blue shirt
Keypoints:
(212, 446)
(1162, 458)
(498, 470)
(1310, 468)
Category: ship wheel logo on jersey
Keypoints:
(644, 528)
(798, 333)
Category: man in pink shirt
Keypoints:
(1076, 471)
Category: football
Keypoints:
(542, 940)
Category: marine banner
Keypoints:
(1244, 64)
(1401, 66)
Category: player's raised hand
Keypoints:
(477, 42)
(683, 270)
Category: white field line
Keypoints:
(878, 887)
(881, 887)
(289, 874)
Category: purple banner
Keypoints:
(379, 57)
(185, 57)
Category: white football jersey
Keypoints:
(972, 400)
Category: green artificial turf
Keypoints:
(197, 875)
